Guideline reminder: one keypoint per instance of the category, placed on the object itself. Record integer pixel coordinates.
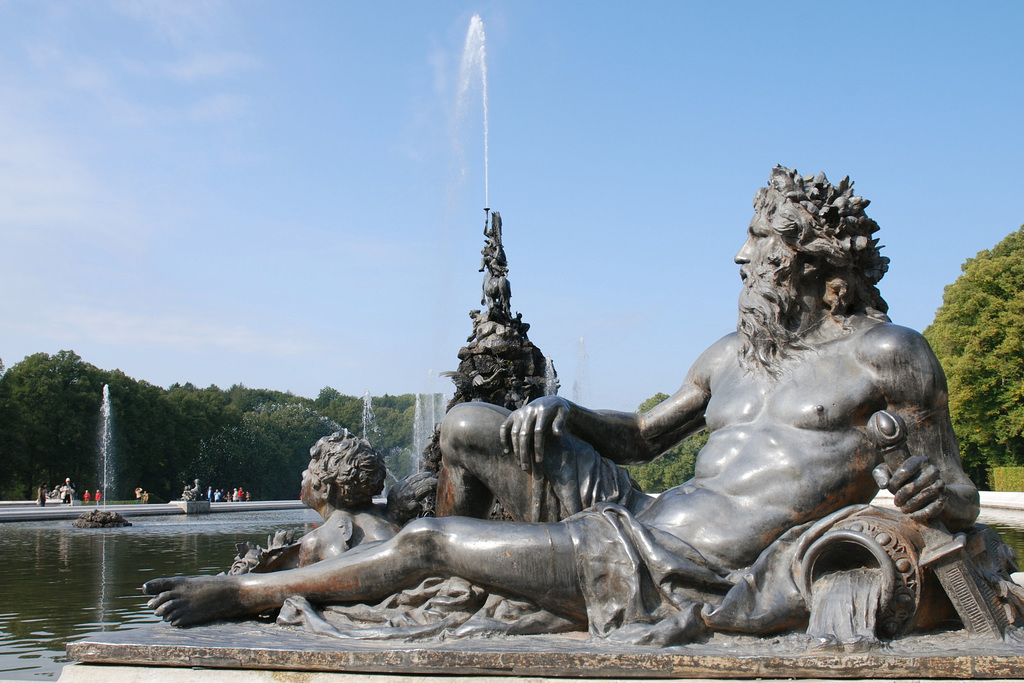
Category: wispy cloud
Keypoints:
(183, 333)
(47, 193)
(176, 21)
(219, 107)
(200, 67)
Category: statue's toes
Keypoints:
(157, 586)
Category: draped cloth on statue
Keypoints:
(641, 586)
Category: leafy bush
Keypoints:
(1008, 478)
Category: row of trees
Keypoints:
(162, 438)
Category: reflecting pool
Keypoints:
(59, 583)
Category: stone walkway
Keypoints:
(30, 512)
(995, 506)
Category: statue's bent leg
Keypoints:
(469, 432)
(532, 561)
(475, 470)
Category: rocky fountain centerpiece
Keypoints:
(499, 364)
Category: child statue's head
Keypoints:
(344, 471)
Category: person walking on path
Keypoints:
(41, 495)
(97, 497)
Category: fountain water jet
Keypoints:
(106, 474)
(430, 409)
(369, 420)
(550, 378)
(474, 61)
(581, 373)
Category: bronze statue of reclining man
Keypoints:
(785, 399)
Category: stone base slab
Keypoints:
(193, 507)
(92, 673)
(258, 646)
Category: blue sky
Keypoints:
(281, 195)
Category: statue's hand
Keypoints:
(916, 486)
(525, 431)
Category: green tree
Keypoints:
(675, 466)
(145, 451)
(197, 415)
(247, 400)
(264, 454)
(394, 417)
(347, 411)
(978, 336)
(52, 406)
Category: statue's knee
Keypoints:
(471, 428)
(421, 535)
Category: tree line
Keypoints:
(257, 439)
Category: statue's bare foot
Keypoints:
(188, 601)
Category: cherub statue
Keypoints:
(343, 476)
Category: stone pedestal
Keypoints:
(193, 507)
(256, 648)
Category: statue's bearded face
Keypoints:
(767, 315)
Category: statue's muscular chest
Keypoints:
(820, 391)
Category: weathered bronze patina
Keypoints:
(773, 534)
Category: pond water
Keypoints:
(59, 584)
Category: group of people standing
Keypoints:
(236, 495)
(65, 493)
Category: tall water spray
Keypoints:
(418, 428)
(106, 455)
(370, 428)
(429, 412)
(581, 373)
(550, 378)
(474, 62)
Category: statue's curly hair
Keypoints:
(354, 469)
(826, 223)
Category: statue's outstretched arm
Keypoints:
(624, 438)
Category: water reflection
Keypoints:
(1009, 524)
(61, 583)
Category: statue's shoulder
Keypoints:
(729, 345)
(890, 346)
(886, 337)
(720, 356)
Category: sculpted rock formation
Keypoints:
(100, 519)
(499, 364)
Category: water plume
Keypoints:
(474, 62)
(106, 439)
